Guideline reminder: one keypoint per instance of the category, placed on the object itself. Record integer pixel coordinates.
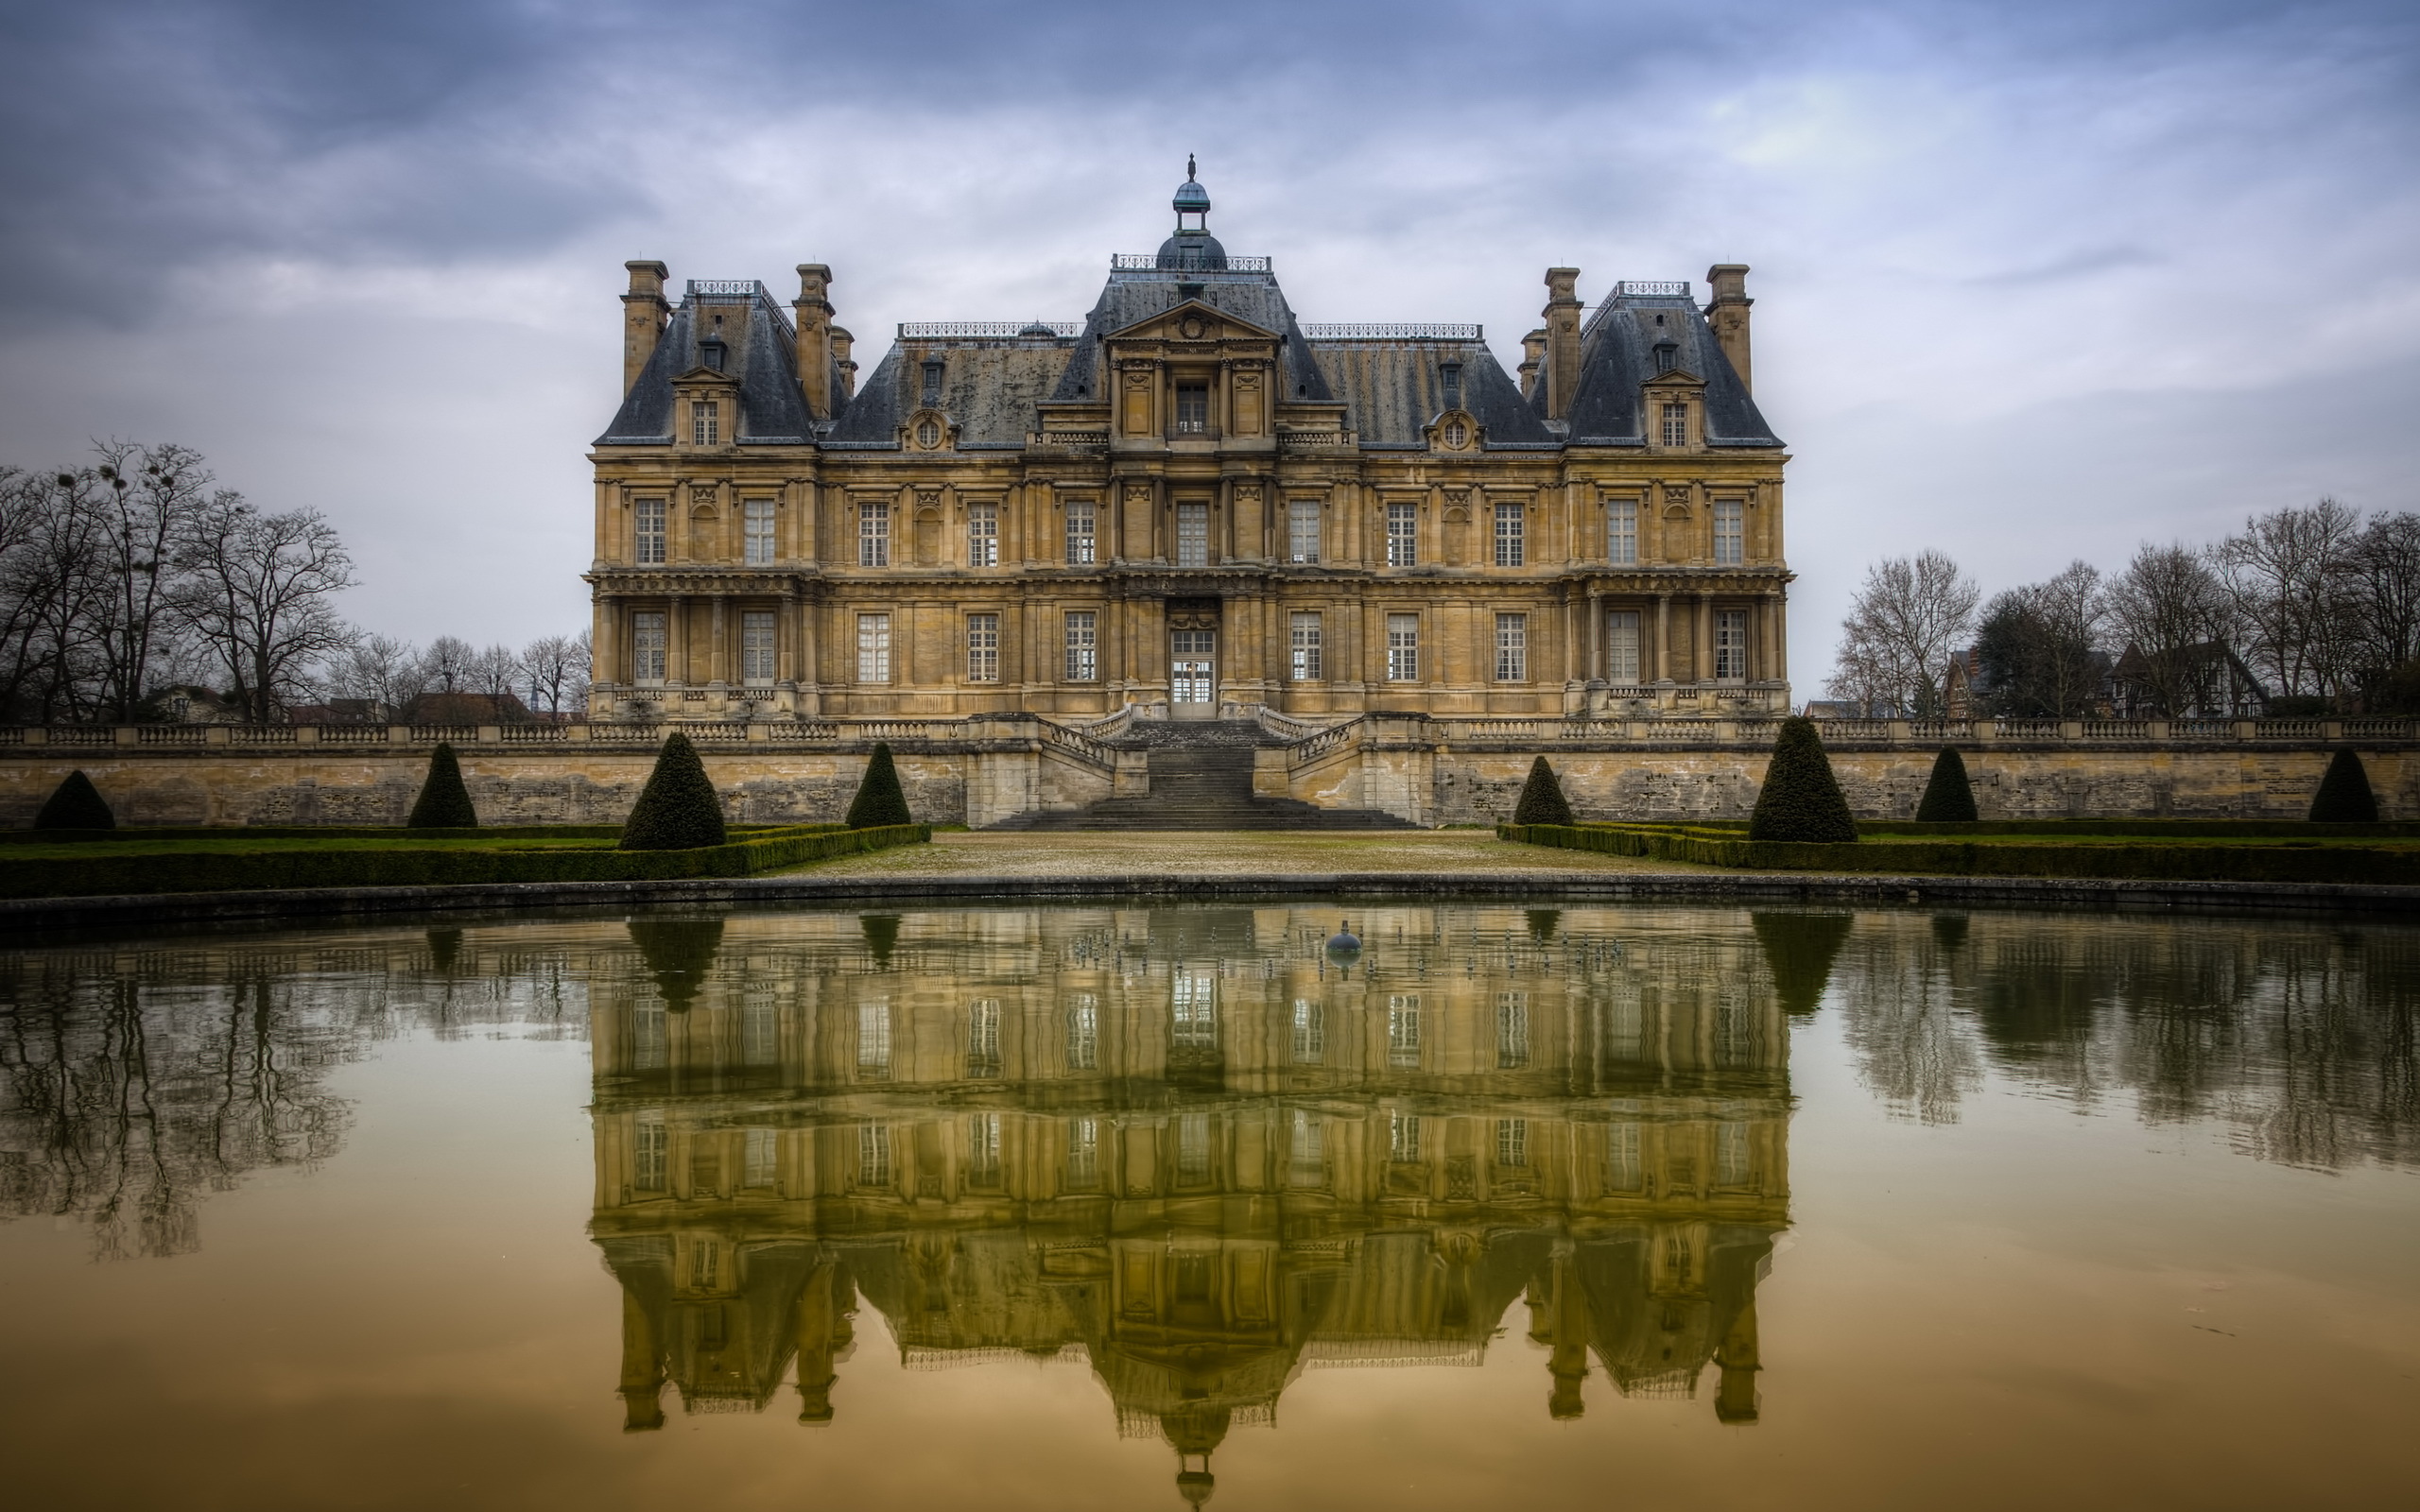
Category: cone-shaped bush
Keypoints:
(1801, 799)
(444, 802)
(880, 801)
(1541, 800)
(882, 934)
(678, 953)
(1949, 798)
(2343, 797)
(677, 810)
(1799, 950)
(78, 805)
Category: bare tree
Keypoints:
(1902, 625)
(150, 498)
(2173, 616)
(495, 672)
(54, 593)
(2039, 645)
(258, 589)
(2383, 581)
(378, 669)
(447, 666)
(2286, 573)
(557, 669)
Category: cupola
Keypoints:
(1192, 249)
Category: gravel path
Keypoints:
(1193, 852)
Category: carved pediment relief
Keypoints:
(1678, 379)
(1191, 321)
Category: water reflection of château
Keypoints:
(1188, 1144)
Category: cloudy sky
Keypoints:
(2033, 281)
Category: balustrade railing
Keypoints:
(1393, 331)
(355, 735)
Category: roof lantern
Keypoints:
(1192, 199)
(1192, 249)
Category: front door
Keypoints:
(1193, 673)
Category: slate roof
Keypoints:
(1617, 354)
(990, 385)
(760, 349)
(1393, 387)
(1135, 294)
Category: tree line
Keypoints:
(2307, 610)
(136, 576)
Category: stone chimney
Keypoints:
(644, 313)
(1728, 314)
(1534, 355)
(840, 343)
(815, 338)
(1562, 375)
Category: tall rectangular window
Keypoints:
(983, 1038)
(1305, 1150)
(651, 1152)
(1192, 409)
(1403, 1030)
(1193, 1011)
(1676, 425)
(1193, 535)
(1084, 1154)
(758, 1159)
(646, 647)
(1193, 1163)
(1083, 646)
(650, 532)
(1621, 532)
(1512, 528)
(1621, 645)
(874, 1155)
(873, 649)
(756, 516)
(1302, 633)
(1084, 1032)
(1513, 1142)
(1731, 644)
(1303, 531)
(1082, 525)
(873, 1038)
(1311, 1032)
(1403, 648)
(1624, 1170)
(1403, 1136)
(1403, 535)
(983, 535)
(1730, 531)
(983, 1151)
(1512, 648)
(705, 422)
(756, 648)
(760, 1028)
(1511, 1030)
(874, 533)
(982, 649)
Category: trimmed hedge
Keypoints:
(239, 871)
(1949, 798)
(2162, 863)
(1542, 801)
(1801, 799)
(76, 804)
(880, 799)
(2345, 796)
(2165, 829)
(365, 832)
(677, 810)
(443, 803)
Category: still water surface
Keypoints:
(1101, 1208)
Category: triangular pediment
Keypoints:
(704, 375)
(1193, 321)
(1677, 378)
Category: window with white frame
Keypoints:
(1511, 1030)
(705, 422)
(650, 1043)
(650, 532)
(1511, 530)
(1403, 1030)
(873, 649)
(757, 517)
(1512, 648)
(1733, 1164)
(982, 649)
(1192, 409)
(1621, 645)
(1192, 1155)
(756, 648)
(983, 1151)
(1311, 1032)
(1084, 1154)
(874, 1155)
(1625, 1171)
(1082, 516)
(760, 1028)
(1306, 1151)
(1403, 535)
(1303, 636)
(651, 1153)
(1403, 648)
(1676, 425)
(983, 1038)
(874, 533)
(758, 1159)
(874, 1037)
(1513, 1142)
(1621, 532)
(1303, 531)
(648, 647)
(1084, 1032)
(1193, 535)
(1083, 646)
(1403, 1136)
(982, 535)
(1193, 1011)
(1730, 531)
(1730, 644)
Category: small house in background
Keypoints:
(340, 711)
(2213, 680)
(1965, 691)
(192, 704)
(467, 709)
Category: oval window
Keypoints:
(928, 435)
(1456, 436)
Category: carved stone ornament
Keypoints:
(1193, 328)
(1458, 505)
(1138, 493)
(1247, 494)
(1247, 380)
(928, 504)
(1676, 494)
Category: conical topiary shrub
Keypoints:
(76, 804)
(444, 802)
(1949, 798)
(1801, 799)
(2343, 797)
(1799, 950)
(677, 810)
(879, 800)
(678, 952)
(1542, 801)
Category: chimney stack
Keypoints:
(840, 343)
(1728, 314)
(644, 313)
(815, 338)
(1534, 355)
(1562, 340)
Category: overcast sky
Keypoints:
(2033, 281)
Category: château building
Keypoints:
(1188, 502)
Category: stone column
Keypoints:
(676, 641)
(1663, 637)
(1701, 653)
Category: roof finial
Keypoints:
(1190, 172)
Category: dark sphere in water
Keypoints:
(1344, 942)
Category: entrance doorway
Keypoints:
(1193, 673)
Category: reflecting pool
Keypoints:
(1103, 1207)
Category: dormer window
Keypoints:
(705, 422)
(1456, 435)
(1668, 357)
(710, 353)
(1192, 409)
(1452, 375)
(1676, 425)
(928, 434)
(932, 380)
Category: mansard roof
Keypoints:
(1393, 386)
(1617, 354)
(989, 387)
(760, 352)
(1133, 295)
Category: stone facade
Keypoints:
(1189, 503)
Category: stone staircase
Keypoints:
(1201, 780)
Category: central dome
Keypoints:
(1190, 197)
(1193, 251)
